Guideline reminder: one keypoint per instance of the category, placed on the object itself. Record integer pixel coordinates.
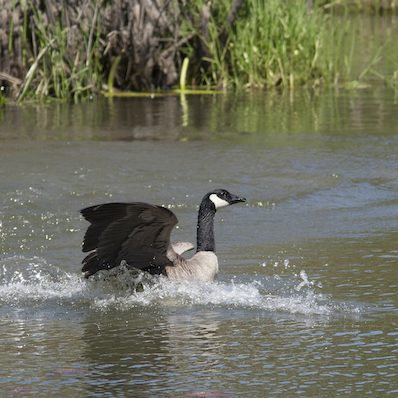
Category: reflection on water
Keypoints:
(305, 303)
(217, 117)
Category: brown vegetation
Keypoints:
(138, 42)
(71, 48)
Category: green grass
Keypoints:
(56, 71)
(280, 45)
(2, 100)
(371, 7)
(276, 43)
(273, 43)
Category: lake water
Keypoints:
(306, 298)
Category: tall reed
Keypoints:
(275, 43)
(58, 70)
(70, 50)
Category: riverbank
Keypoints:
(74, 50)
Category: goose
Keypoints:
(138, 235)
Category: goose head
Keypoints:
(221, 198)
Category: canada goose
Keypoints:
(138, 235)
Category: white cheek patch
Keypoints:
(218, 202)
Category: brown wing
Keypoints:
(138, 233)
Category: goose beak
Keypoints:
(236, 199)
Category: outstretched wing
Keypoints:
(138, 233)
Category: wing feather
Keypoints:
(138, 233)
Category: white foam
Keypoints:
(232, 295)
(24, 281)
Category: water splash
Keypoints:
(32, 281)
(305, 281)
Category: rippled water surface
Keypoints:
(306, 299)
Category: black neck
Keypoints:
(205, 232)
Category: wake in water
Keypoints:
(34, 282)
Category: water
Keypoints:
(305, 303)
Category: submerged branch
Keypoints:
(12, 79)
